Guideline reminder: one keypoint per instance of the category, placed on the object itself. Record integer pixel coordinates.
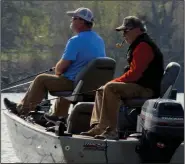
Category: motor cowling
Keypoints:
(161, 123)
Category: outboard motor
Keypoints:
(161, 123)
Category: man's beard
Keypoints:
(72, 27)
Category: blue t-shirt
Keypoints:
(81, 49)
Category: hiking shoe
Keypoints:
(12, 106)
(96, 130)
(109, 133)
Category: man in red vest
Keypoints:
(141, 79)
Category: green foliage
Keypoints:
(40, 29)
(43, 25)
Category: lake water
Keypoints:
(7, 152)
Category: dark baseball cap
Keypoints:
(131, 22)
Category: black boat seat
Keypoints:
(79, 119)
(169, 78)
(97, 73)
(138, 102)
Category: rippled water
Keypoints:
(7, 152)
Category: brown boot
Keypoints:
(109, 133)
(96, 130)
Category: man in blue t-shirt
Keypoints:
(85, 46)
(81, 49)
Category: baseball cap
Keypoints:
(131, 22)
(83, 13)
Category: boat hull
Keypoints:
(33, 144)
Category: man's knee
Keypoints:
(41, 77)
(108, 86)
(111, 86)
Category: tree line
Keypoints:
(34, 33)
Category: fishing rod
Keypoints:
(49, 70)
(15, 86)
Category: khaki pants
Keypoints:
(108, 101)
(40, 86)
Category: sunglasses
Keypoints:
(125, 31)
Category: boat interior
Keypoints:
(96, 74)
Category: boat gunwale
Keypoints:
(41, 129)
(30, 125)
